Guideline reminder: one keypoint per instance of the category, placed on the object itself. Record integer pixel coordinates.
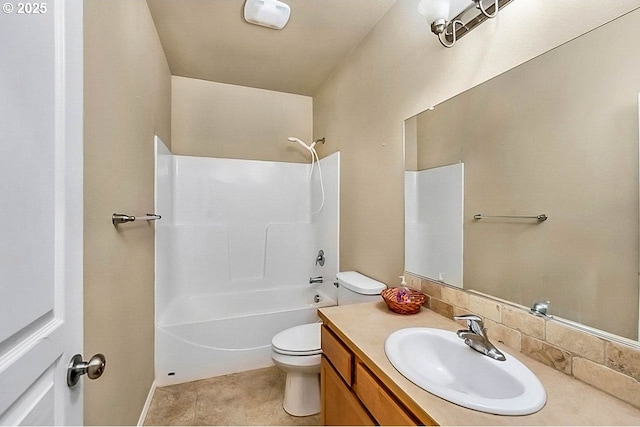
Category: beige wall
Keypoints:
(220, 120)
(399, 70)
(127, 100)
(411, 144)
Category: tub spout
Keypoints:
(314, 280)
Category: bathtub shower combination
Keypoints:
(235, 249)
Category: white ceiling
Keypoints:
(209, 40)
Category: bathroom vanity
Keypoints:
(359, 386)
(352, 394)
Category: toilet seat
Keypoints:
(296, 353)
(303, 340)
(309, 364)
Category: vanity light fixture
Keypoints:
(438, 14)
(267, 13)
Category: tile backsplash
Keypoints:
(608, 365)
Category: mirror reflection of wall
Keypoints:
(557, 135)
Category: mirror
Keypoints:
(557, 135)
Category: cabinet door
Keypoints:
(339, 406)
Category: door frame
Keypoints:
(69, 113)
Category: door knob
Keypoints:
(94, 368)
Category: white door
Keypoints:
(40, 210)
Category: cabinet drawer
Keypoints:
(339, 355)
(378, 401)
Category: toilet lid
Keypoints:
(301, 340)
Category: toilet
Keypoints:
(297, 350)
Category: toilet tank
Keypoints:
(354, 287)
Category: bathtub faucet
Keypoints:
(313, 280)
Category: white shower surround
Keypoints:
(234, 252)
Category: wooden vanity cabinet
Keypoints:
(351, 394)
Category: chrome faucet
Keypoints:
(314, 280)
(476, 337)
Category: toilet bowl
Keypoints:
(297, 350)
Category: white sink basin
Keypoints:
(442, 364)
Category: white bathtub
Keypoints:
(216, 334)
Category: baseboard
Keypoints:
(147, 404)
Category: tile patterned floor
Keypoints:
(246, 398)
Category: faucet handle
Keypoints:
(468, 317)
(474, 323)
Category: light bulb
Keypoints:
(434, 10)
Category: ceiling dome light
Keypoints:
(267, 13)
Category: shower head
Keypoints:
(292, 139)
(308, 147)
